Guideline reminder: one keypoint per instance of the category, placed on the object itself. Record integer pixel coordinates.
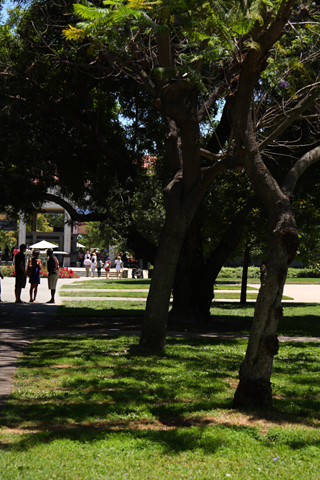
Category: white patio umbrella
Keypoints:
(80, 245)
(43, 245)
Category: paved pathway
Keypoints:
(20, 323)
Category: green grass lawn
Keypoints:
(89, 293)
(113, 284)
(289, 281)
(120, 288)
(298, 319)
(99, 408)
(144, 294)
(107, 308)
(134, 284)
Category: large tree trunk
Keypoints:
(154, 327)
(180, 207)
(194, 283)
(185, 306)
(204, 287)
(193, 289)
(182, 198)
(255, 373)
(254, 388)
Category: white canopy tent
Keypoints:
(43, 245)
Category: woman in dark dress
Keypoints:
(34, 280)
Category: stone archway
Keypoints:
(67, 240)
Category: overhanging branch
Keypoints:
(209, 155)
(298, 169)
(295, 113)
(74, 214)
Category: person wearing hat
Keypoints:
(53, 273)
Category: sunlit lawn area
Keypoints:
(104, 284)
(124, 293)
(121, 288)
(109, 284)
(289, 281)
(98, 408)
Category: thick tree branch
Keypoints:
(208, 175)
(141, 246)
(298, 169)
(209, 155)
(164, 49)
(210, 102)
(295, 113)
(74, 214)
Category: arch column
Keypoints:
(67, 238)
(22, 234)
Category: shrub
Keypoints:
(254, 272)
(9, 271)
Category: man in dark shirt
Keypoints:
(20, 272)
(53, 273)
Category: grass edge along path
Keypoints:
(99, 408)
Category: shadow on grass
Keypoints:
(107, 384)
(171, 441)
(98, 381)
(300, 319)
(130, 309)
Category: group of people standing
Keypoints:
(33, 272)
(96, 261)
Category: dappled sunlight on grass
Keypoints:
(112, 408)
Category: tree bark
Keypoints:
(210, 271)
(185, 306)
(180, 208)
(182, 198)
(154, 327)
(254, 388)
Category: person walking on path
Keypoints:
(107, 266)
(87, 264)
(99, 265)
(34, 280)
(53, 271)
(93, 265)
(20, 272)
(118, 266)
